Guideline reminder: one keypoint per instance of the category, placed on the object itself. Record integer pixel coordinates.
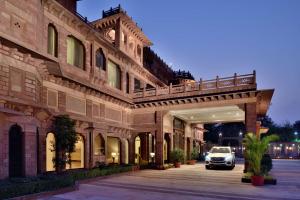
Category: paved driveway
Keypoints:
(190, 182)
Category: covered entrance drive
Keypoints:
(175, 115)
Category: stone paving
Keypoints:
(190, 182)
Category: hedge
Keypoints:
(51, 181)
(14, 189)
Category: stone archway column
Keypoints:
(251, 124)
(159, 140)
(131, 147)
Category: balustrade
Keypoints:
(202, 85)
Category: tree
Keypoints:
(66, 138)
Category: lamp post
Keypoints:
(296, 136)
(113, 155)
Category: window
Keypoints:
(52, 40)
(100, 60)
(114, 75)
(137, 84)
(127, 83)
(75, 52)
(139, 51)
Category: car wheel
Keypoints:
(207, 167)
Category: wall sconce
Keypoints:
(113, 155)
(152, 154)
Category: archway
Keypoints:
(50, 153)
(77, 157)
(167, 148)
(99, 145)
(137, 149)
(113, 150)
(16, 151)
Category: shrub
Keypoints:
(194, 154)
(38, 185)
(177, 155)
(255, 149)
(266, 164)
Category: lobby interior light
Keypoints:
(113, 155)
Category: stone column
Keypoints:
(159, 139)
(250, 118)
(123, 80)
(131, 84)
(30, 143)
(131, 147)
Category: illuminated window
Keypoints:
(52, 40)
(75, 52)
(114, 75)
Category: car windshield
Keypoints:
(220, 150)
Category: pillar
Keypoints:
(250, 118)
(159, 139)
(131, 147)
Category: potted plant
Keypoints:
(177, 157)
(194, 157)
(255, 149)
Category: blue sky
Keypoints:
(218, 37)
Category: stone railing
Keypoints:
(236, 81)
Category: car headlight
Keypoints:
(228, 158)
(207, 158)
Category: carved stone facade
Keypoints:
(36, 85)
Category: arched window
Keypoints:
(114, 75)
(75, 52)
(50, 153)
(77, 157)
(52, 40)
(99, 145)
(100, 59)
(139, 50)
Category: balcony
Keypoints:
(217, 85)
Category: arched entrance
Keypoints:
(137, 149)
(113, 155)
(50, 153)
(167, 148)
(16, 151)
(77, 157)
(99, 145)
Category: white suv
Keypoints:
(220, 156)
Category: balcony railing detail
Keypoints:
(203, 85)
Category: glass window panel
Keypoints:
(114, 75)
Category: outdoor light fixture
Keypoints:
(296, 133)
(241, 133)
(113, 155)
(220, 134)
(152, 154)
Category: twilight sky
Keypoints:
(215, 37)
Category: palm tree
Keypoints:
(255, 149)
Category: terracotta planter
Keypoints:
(177, 164)
(257, 180)
(191, 162)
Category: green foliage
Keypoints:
(96, 172)
(266, 164)
(65, 139)
(19, 187)
(255, 149)
(177, 155)
(194, 154)
(35, 186)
